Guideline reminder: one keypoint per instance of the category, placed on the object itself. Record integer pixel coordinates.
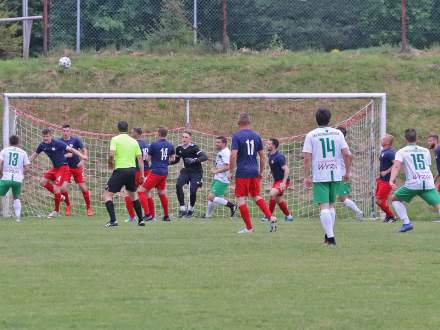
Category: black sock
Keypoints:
(180, 195)
(111, 210)
(192, 198)
(138, 209)
(230, 205)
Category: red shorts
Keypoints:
(438, 188)
(277, 185)
(155, 181)
(78, 175)
(138, 177)
(383, 189)
(59, 175)
(247, 187)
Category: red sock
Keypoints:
(144, 202)
(283, 207)
(86, 195)
(386, 208)
(129, 206)
(263, 207)
(151, 206)
(57, 201)
(49, 187)
(272, 204)
(244, 211)
(66, 197)
(164, 202)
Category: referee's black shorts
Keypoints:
(122, 177)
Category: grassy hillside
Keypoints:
(411, 81)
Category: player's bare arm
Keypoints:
(220, 170)
(232, 163)
(262, 155)
(397, 165)
(386, 172)
(140, 161)
(82, 161)
(76, 152)
(111, 160)
(347, 161)
(307, 168)
(1, 167)
(285, 168)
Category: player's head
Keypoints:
(387, 141)
(14, 140)
(432, 141)
(411, 135)
(323, 116)
(136, 133)
(47, 135)
(343, 130)
(66, 132)
(122, 126)
(186, 137)
(162, 132)
(272, 145)
(220, 142)
(244, 119)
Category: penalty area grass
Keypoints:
(72, 273)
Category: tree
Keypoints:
(10, 42)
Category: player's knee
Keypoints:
(211, 197)
(342, 199)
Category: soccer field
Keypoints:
(194, 274)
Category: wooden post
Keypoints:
(225, 41)
(45, 26)
(404, 28)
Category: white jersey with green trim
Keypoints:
(326, 144)
(14, 160)
(416, 162)
(221, 160)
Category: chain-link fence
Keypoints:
(254, 24)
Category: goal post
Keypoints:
(207, 115)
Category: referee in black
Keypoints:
(191, 173)
(124, 152)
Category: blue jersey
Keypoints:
(437, 158)
(144, 149)
(247, 143)
(75, 143)
(276, 163)
(386, 161)
(160, 152)
(55, 151)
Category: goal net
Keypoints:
(288, 117)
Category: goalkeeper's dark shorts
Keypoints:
(122, 177)
(193, 178)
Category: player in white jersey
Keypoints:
(345, 188)
(416, 162)
(324, 150)
(14, 163)
(220, 184)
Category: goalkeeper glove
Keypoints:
(190, 161)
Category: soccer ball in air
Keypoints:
(64, 62)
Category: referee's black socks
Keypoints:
(111, 210)
(138, 209)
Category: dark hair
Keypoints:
(138, 130)
(323, 116)
(275, 142)
(244, 119)
(342, 129)
(163, 131)
(411, 135)
(14, 140)
(434, 136)
(223, 139)
(66, 126)
(187, 132)
(46, 131)
(122, 126)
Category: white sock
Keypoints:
(211, 206)
(17, 208)
(333, 212)
(401, 212)
(190, 208)
(327, 222)
(183, 208)
(220, 200)
(352, 205)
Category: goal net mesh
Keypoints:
(94, 121)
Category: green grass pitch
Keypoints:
(194, 274)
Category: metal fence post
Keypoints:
(78, 26)
(195, 22)
(26, 27)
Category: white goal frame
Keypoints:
(9, 117)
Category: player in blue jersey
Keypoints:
(434, 145)
(383, 187)
(136, 134)
(76, 165)
(281, 180)
(160, 153)
(246, 145)
(59, 175)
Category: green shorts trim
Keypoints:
(219, 188)
(430, 196)
(344, 189)
(325, 192)
(15, 186)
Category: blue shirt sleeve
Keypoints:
(172, 152)
(281, 160)
(437, 159)
(258, 144)
(79, 144)
(234, 144)
(60, 144)
(151, 149)
(39, 148)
